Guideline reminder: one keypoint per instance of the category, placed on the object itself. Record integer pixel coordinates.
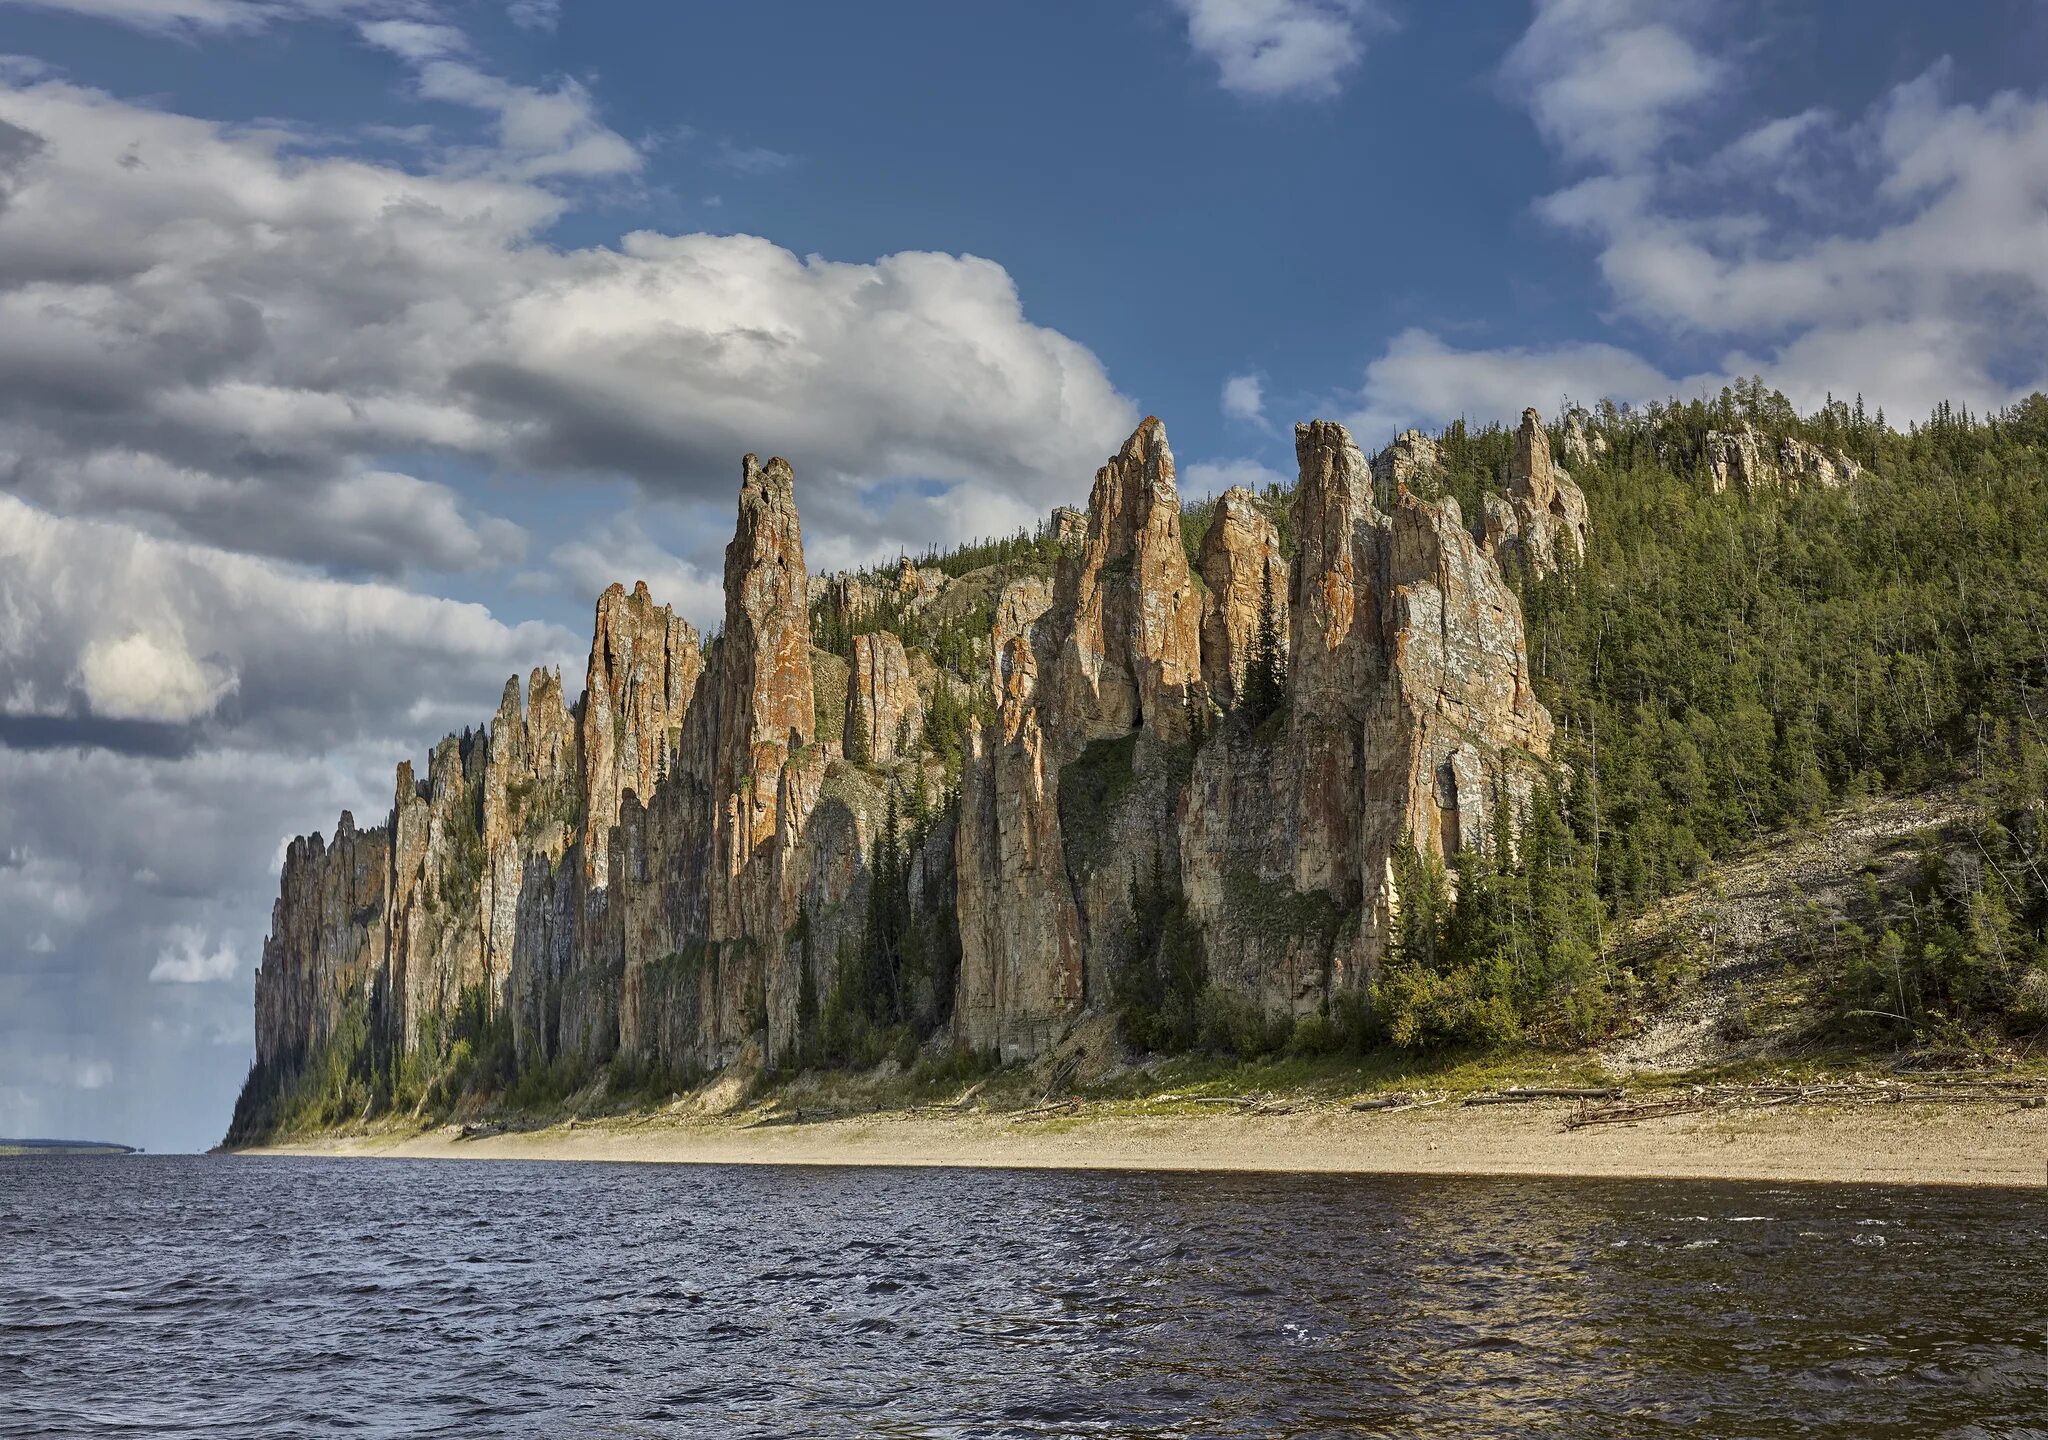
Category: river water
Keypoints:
(168, 1296)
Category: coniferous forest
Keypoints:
(1725, 666)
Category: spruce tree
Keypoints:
(1265, 671)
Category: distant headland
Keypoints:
(14, 1149)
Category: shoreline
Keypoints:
(1906, 1144)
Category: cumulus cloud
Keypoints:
(1607, 79)
(369, 521)
(1900, 253)
(190, 958)
(141, 676)
(1421, 380)
(100, 620)
(199, 322)
(1244, 398)
(1280, 48)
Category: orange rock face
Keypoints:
(883, 711)
(1128, 640)
(644, 667)
(1409, 711)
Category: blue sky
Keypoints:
(349, 347)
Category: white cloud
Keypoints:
(751, 159)
(1927, 279)
(1771, 143)
(1901, 254)
(92, 1075)
(200, 324)
(1244, 398)
(541, 134)
(1421, 381)
(1606, 79)
(142, 676)
(176, 16)
(1213, 477)
(190, 958)
(99, 621)
(619, 550)
(535, 14)
(1279, 48)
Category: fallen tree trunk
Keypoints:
(1621, 1114)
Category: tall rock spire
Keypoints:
(765, 711)
(1542, 521)
(645, 662)
(1242, 568)
(1133, 644)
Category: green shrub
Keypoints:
(1092, 789)
(1230, 1023)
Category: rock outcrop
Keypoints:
(326, 942)
(1244, 573)
(1739, 460)
(1745, 460)
(1114, 658)
(1411, 456)
(1542, 522)
(1128, 644)
(882, 706)
(644, 667)
(1802, 462)
(1582, 443)
(1410, 717)
(1069, 526)
(676, 868)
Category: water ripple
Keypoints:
(169, 1296)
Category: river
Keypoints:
(173, 1296)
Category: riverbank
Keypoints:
(1920, 1144)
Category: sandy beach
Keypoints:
(1894, 1144)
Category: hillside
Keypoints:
(1334, 772)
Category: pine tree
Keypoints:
(1265, 671)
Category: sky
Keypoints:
(349, 348)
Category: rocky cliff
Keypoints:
(683, 863)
